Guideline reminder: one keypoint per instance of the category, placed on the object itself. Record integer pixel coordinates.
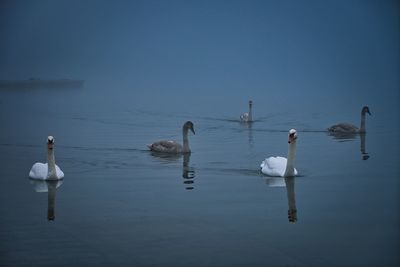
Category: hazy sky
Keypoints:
(292, 46)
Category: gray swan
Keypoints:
(172, 146)
(248, 116)
(343, 128)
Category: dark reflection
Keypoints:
(166, 157)
(343, 137)
(188, 172)
(50, 187)
(249, 126)
(364, 153)
(287, 182)
(292, 211)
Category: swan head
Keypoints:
(292, 136)
(365, 109)
(189, 126)
(50, 142)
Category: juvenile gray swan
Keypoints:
(172, 146)
(350, 128)
(248, 116)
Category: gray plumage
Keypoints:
(167, 146)
(350, 128)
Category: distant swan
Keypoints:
(280, 166)
(349, 128)
(172, 146)
(49, 170)
(247, 117)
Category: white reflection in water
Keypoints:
(287, 182)
(50, 187)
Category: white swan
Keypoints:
(280, 166)
(349, 128)
(172, 146)
(49, 170)
(247, 117)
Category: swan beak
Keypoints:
(50, 143)
(292, 138)
(192, 131)
(369, 112)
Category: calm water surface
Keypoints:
(120, 205)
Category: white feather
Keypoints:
(275, 166)
(39, 171)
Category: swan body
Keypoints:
(350, 128)
(275, 167)
(343, 128)
(49, 170)
(39, 171)
(247, 116)
(172, 146)
(280, 166)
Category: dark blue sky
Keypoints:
(295, 47)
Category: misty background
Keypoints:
(283, 54)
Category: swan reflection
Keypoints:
(343, 137)
(188, 172)
(364, 153)
(287, 182)
(49, 186)
(292, 211)
(249, 127)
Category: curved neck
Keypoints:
(289, 172)
(362, 126)
(51, 164)
(185, 140)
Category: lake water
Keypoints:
(120, 205)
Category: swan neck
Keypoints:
(51, 164)
(185, 140)
(289, 172)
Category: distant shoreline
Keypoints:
(39, 83)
